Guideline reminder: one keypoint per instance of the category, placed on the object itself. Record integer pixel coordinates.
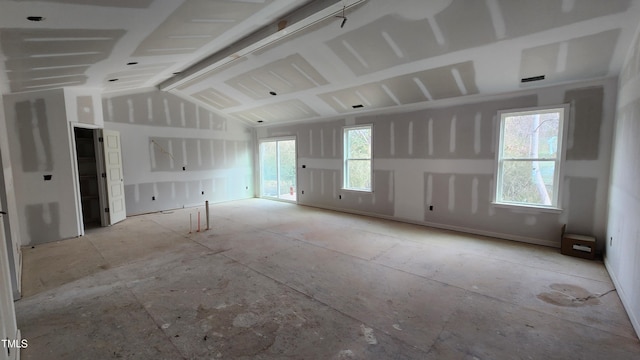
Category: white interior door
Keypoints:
(8, 328)
(113, 176)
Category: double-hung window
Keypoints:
(530, 154)
(357, 157)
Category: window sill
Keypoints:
(357, 190)
(527, 208)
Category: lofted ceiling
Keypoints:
(274, 61)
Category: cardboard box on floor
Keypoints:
(581, 246)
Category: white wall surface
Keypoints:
(161, 135)
(38, 137)
(445, 157)
(623, 231)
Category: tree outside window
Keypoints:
(529, 157)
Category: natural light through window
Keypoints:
(530, 157)
(357, 158)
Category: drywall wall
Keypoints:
(623, 230)
(445, 158)
(84, 107)
(39, 149)
(8, 205)
(178, 154)
(13, 249)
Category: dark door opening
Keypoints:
(88, 177)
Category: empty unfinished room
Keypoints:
(319, 179)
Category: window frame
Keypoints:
(261, 169)
(345, 159)
(556, 200)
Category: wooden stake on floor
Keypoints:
(206, 205)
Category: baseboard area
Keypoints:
(624, 298)
(466, 230)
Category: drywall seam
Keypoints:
(442, 103)
(623, 297)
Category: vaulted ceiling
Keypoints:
(273, 61)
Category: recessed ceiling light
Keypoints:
(112, 80)
(273, 93)
(132, 63)
(35, 18)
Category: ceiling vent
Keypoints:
(533, 78)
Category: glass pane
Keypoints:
(359, 174)
(287, 184)
(269, 169)
(531, 136)
(528, 182)
(359, 142)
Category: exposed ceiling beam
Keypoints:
(299, 19)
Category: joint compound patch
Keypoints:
(368, 335)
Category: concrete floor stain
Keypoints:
(568, 295)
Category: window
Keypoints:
(357, 158)
(278, 168)
(530, 156)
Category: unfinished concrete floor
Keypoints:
(278, 281)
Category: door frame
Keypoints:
(276, 139)
(8, 324)
(97, 132)
(15, 240)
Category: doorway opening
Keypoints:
(278, 178)
(88, 177)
